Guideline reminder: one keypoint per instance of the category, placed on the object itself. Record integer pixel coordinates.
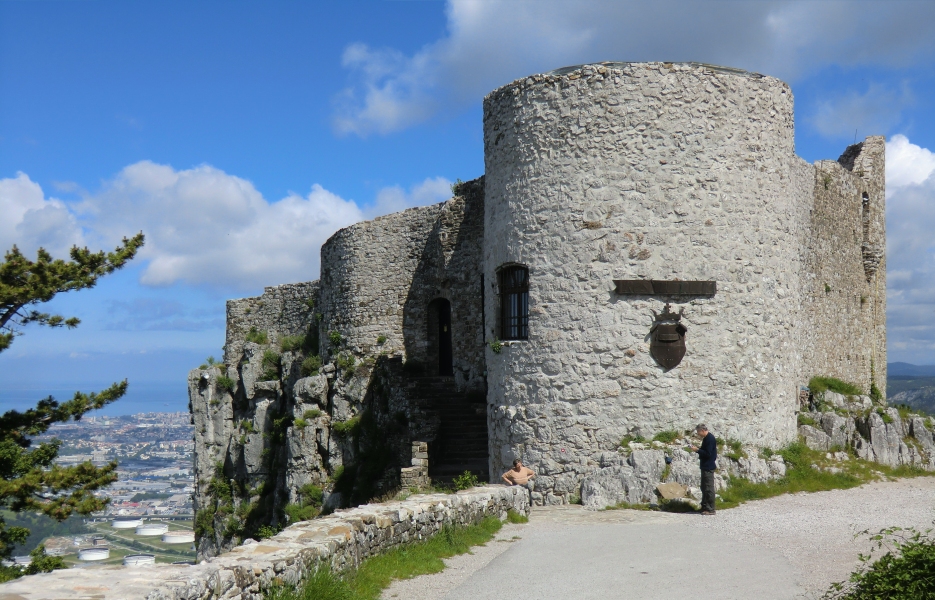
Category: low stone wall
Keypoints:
(339, 541)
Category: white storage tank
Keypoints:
(178, 537)
(126, 523)
(97, 553)
(152, 529)
(139, 559)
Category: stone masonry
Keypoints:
(339, 542)
(594, 173)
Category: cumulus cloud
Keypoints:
(910, 221)
(489, 44)
(202, 225)
(30, 220)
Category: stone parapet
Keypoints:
(339, 541)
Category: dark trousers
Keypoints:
(707, 490)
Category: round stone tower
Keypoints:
(640, 172)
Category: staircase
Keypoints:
(461, 444)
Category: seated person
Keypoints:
(518, 475)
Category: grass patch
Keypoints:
(632, 438)
(292, 342)
(516, 518)
(310, 366)
(312, 413)
(272, 363)
(346, 362)
(802, 476)
(817, 385)
(346, 428)
(629, 506)
(376, 573)
(666, 437)
(805, 419)
(226, 384)
(257, 337)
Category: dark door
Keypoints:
(444, 338)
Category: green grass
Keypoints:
(257, 337)
(801, 476)
(632, 438)
(376, 573)
(516, 518)
(666, 437)
(311, 365)
(818, 385)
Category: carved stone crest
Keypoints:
(667, 338)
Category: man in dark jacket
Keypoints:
(707, 454)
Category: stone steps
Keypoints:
(462, 439)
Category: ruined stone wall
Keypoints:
(844, 287)
(380, 277)
(281, 310)
(641, 171)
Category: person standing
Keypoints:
(707, 455)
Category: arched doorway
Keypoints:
(439, 335)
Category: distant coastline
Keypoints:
(140, 398)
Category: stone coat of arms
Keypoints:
(667, 338)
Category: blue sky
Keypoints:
(238, 136)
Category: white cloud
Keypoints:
(30, 220)
(394, 199)
(202, 225)
(490, 43)
(873, 112)
(906, 163)
(910, 223)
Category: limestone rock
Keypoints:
(815, 438)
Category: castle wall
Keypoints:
(380, 277)
(641, 171)
(280, 311)
(844, 288)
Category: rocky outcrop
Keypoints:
(874, 432)
(632, 475)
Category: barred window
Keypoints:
(514, 303)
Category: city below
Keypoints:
(149, 517)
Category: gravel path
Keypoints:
(791, 546)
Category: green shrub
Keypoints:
(905, 570)
(818, 385)
(247, 425)
(883, 415)
(381, 339)
(300, 423)
(310, 366)
(272, 363)
(265, 531)
(733, 449)
(346, 428)
(335, 338)
(292, 342)
(312, 413)
(666, 437)
(514, 517)
(875, 394)
(805, 419)
(257, 337)
(226, 384)
(497, 346)
(346, 362)
(465, 481)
